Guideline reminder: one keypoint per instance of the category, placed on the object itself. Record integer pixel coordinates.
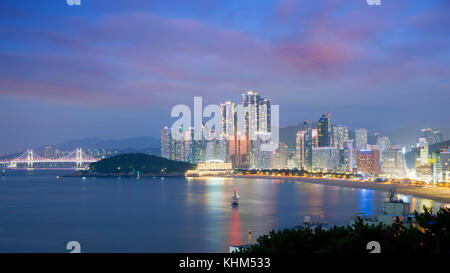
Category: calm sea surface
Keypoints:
(40, 213)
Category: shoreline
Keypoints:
(438, 194)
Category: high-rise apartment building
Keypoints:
(166, 143)
(324, 159)
(360, 139)
(393, 163)
(324, 130)
(300, 149)
(340, 136)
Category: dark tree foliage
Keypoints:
(145, 164)
(432, 236)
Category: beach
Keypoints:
(439, 194)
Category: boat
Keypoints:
(393, 209)
(235, 198)
(3, 172)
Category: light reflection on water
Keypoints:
(39, 213)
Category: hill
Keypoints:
(129, 164)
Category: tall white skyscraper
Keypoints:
(339, 136)
(360, 139)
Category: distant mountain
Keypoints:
(288, 135)
(118, 144)
(149, 145)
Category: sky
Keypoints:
(114, 69)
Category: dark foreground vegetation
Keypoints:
(132, 164)
(431, 236)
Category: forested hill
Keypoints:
(127, 164)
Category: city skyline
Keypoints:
(107, 71)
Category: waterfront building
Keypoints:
(166, 143)
(441, 165)
(360, 139)
(250, 105)
(393, 163)
(324, 159)
(324, 130)
(421, 154)
(239, 151)
(263, 159)
(264, 116)
(350, 155)
(279, 157)
(340, 136)
(212, 167)
(311, 141)
(368, 162)
(300, 149)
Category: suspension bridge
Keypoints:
(29, 159)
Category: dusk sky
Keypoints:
(114, 69)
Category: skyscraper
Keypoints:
(166, 143)
(360, 139)
(422, 152)
(228, 110)
(383, 143)
(324, 159)
(264, 116)
(300, 149)
(324, 130)
(393, 163)
(311, 141)
(340, 136)
(250, 104)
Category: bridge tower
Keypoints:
(30, 157)
(79, 157)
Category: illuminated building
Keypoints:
(166, 143)
(393, 163)
(441, 165)
(250, 104)
(212, 167)
(350, 155)
(360, 139)
(264, 116)
(263, 159)
(324, 159)
(368, 162)
(340, 136)
(279, 157)
(421, 152)
(300, 149)
(324, 130)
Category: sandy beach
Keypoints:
(439, 194)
